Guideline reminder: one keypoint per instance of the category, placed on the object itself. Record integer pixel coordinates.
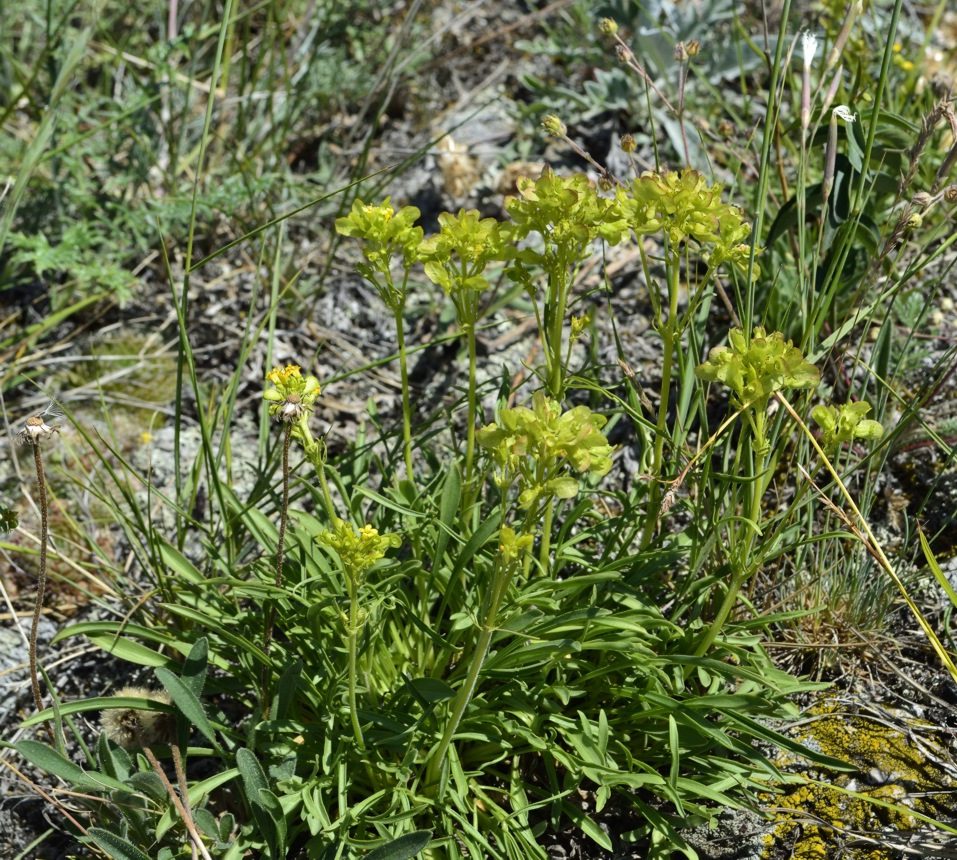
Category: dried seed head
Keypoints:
(133, 728)
(808, 48)
(681, 52)
(36, 430)
(845, 113)
(950, 194)
(624, 54)
(923, 199)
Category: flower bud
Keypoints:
(608, 26)
(628, 143)
(693, 48)
(554, 126)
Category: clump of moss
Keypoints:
(893, 776)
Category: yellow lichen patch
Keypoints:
(894, 774)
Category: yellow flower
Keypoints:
(292, 395)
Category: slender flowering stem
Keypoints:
(280, 547)
(352, 643)
(406, 401)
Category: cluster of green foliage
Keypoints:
(458, 650)
(460, 644)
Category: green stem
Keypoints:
(545, 548)
(669, 334)
(743, 568)
(352, 645)
(557, 297)
(500, 582)
(406, 403)
(317, 458)
(473, 409)
(280, 552)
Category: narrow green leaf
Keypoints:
(255, 787)
(179, 564)
(430, 690)
(193, 673)
(188, 703)
(130, 650)
(215, 626)
(588, 826)
(116, 846)
(286, 690)
(99, 703)
(935, 568)
(448, 511)
(402, 847)
(276, 815)
(49, 760)
(387, 502)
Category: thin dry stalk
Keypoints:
(36, 430)
(194, 836)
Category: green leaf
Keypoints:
(113, 760)
(278, 818)
(448, 511)
(49, 760)
(255, 787)
(188, 703)
(286, 690)
(388, 503)
(179, 564)
(117, 847)
(588, 826)
(98, 703)
(8, 519)
(935, 568)
(193, 673)
(212, 624)
(403, 847)
(130, 650)
(431, 690)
